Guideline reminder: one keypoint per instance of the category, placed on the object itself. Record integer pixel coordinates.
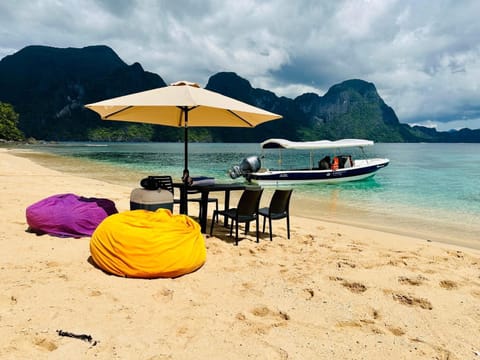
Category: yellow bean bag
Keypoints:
(147, 244)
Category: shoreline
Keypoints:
(331, 291)
(327, 210)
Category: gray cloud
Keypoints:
(423, 56)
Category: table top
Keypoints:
(218, 187)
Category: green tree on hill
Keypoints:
(8, 123)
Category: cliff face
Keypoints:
(352, 107)
(49, 86)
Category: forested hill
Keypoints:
(49, 86)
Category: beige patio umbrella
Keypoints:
(182, 104)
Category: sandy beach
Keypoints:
(333, 291)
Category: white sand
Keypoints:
(330, 292)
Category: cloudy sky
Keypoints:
(422, 55)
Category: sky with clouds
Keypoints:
(422, 55)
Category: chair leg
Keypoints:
(215, 214)
(288, 227)
(200, 210)
(256, 227)
(264, 220)
(236, 232)
(216, 207)
(270, 227)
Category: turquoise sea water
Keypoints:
(431, 190)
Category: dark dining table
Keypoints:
(205, 190)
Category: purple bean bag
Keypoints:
(68, 215)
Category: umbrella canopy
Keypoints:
(182, 104)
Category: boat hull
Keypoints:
(364, 169)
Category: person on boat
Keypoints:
(345, 161)
(335, 163)
(348, 161)
(324, 164)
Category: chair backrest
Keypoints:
(280, 201)
(249, 202)
(159, 181)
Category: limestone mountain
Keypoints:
(352, 107)
(49, 86)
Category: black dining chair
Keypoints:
(279, 209)
(198, 200)
(158, 181)
(245, 212)
(165, 182)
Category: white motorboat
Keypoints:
(330, 169)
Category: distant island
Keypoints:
(48, 87)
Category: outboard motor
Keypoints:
(235, 172)
(247, 166)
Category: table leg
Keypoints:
(227, 205)
(203, 211)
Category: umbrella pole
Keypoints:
(186, 175)
(185, 168)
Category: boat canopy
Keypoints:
(311, 145)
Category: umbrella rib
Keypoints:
(185, 109)
(117, 112)
(241, 118)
